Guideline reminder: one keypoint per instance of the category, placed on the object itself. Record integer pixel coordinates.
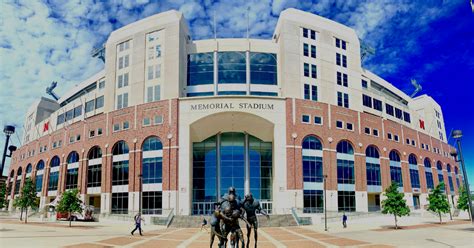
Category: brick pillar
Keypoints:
(406, 177)
(360, 171)
(422, 174)
(385, 173)
(138, 169)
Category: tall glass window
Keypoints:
(72, 173)
(312, 174)
(152, 202)
(395, 168)
(414, 176)
(53, 176)
(372, 163)
(94, 169)
(263, 68)
(428, 174)
(345, 163)
(346, 201)
(18, 181)
(200, 69)
(120, 164)
(152, 160)
(439, 167)
(120, 203)
(39, 176)
(220, 162)
(232, 67)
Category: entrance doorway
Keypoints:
(373, 202)
(94, 200)
(416, 202)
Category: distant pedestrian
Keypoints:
(138, 223)
(344, 220)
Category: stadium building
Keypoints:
(177, 121)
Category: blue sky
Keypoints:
(429, 40)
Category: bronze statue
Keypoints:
(251, 207)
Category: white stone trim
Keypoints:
(372, 160)
(345, 187)
(119, 188)
(54, 169)
(152, 187)
(313, 186)
(264, 88)
(94, 161)
(52, 193)
(122, 157)
(345, 156)
(73, 165)
(200, 88)
(93, 190)
(152, 154)
(313, 153)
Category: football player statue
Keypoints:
(251, 208)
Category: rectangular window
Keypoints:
(305, 32)
(99, 131)
(152, 202)
(413, 143)
(78, 137)
(305, 119)
(314, 72)
(125, 79)
(398, 113)
(60, 119)
(116, 127)
(313, 35)
(149, 94)
(125, 100)
(150, 72)
(339, 78)
(389, 109)
(90, 106)
(338, 43)
(99, 102)
(406, 117)
(396, 175)
(126, 61)
(39, 183)
(338, 59)
(120, 173)
(346, 100)
(146, 121)
(305, 50)
(125, 125)
(349, 126)
(313, 51)
(306, 92)
(408, 141)
(102, 84)
(395, 137)
(157, 93)
(367, 130)
(306, 69)
(344, 61)
(441, 180)
(389, 136)
(429, 179)
(78, 111)
(120, 81)
(345, 171)
(377, 104)
(346, 201)
(367, 101)
(314, 93)
(364, 84)
(70, 115)
(94, 175)
(158, 51)
(53, 181)
(340, 99)
(345, 80)
(414, 179)
(120, 203)
(313, 201)
(91, 133)
(373, 174)
(151, 54)
(318, 120)
(158, 119)
(120, 64)
(339, 124)
(158, 71)
(72, 178)
(119, 102)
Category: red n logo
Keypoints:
(46, 126)
(422, 124)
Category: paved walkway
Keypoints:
(369, 233)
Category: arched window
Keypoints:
(395, 168)
(312, 175)
(450, 178)
(152, 164)
(152, 144)
(29, 168)
(345, 176)
(345, 147)
(120, 148)
(39, 176)
(394, 156)
(439, 165)
(120, 163)
(428, 174)
(72, 170)
(73, 157)
(414, 175)
(312, 143)
(18, 173)
(448, 167)
(412, 159)
(18, 181)
(55, 162)
(54, 174)
(94, 167)
(372, 152)
(372, 164)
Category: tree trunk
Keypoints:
(396, 224)
(26, 215)
(21, 213)
(70, 219)
(440, 221)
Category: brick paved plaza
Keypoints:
(371, 232)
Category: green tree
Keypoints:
(18, 203)
(394, 203)
(463, 201)
(3, 196)
(70, 203)
(28, 195)
(438, 202)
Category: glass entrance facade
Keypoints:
(230, 159)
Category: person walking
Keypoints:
(344, 220)
(138, 224)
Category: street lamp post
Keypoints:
(457, 135)
(325, 208)
(8, 130)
